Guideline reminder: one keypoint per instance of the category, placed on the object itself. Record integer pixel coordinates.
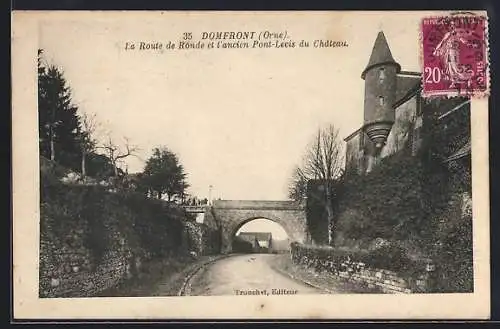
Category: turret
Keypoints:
(380, 89)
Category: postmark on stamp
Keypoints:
(455, 56)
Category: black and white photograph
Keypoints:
(265, 157)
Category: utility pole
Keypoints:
(210, 194)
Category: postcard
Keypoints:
(250, 165)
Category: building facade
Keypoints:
(394, 114)
(261, 242)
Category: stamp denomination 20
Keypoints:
(455, 56)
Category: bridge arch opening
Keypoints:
(260, 235)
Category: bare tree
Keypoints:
(323, 161)
(297, 189)
(88, 139)
(117, 153)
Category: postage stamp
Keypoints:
(455, 56)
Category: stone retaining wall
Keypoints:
(419, 280)
(69, 267)
(387, 281)
(91, 240)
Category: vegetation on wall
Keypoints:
(416, 202)
(334, 260)
(96, 237)
(148, 223)
(388, 202)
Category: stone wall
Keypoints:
(402, 130)
(211, 234)
(387, 281)
(92, 239)
(354, 152)
(114, 268)
(348, 266)
(202, 239)
(426, 213)
(73, 267)
(231, 215)
(405, 133)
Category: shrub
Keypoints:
(390, 257)
(144, 223)
(413, 202)
(387, 203)
(454, 257)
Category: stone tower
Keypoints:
(380, 77)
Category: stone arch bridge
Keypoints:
(230, 215)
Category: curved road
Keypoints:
(245, 274)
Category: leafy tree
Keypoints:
(164, 175)
(99, 166)
(138, 183)
(59, 124)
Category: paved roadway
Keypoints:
(245, 274)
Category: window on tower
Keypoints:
(381, 75)
(381, 100)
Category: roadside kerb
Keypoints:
(191, 274)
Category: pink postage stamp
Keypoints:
(455, 56)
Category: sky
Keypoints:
(239, 119)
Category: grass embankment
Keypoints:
(164, 278)
(84, 226)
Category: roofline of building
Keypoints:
(410, 73)
(411, 92)
(257, 235)
(368, 68)
(353, 134)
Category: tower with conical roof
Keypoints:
(380, 77)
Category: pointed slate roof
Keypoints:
(381, 54)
